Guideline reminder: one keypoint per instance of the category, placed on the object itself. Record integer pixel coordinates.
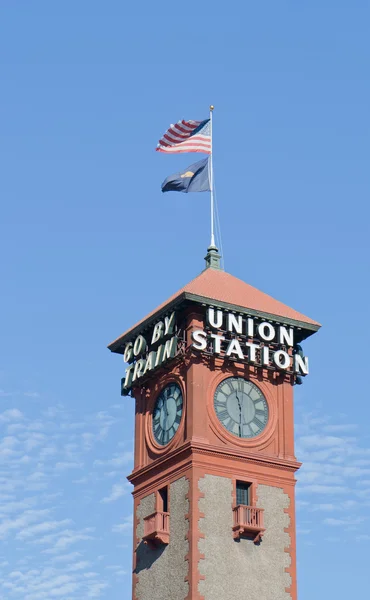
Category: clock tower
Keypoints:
(212, 372)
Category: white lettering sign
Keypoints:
(141, 359)
(236, 338)
(229, 335)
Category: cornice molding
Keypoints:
(307, 329)
(189, 455)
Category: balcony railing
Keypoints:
(157, 528)
(248, 522)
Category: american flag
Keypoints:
(187, 136)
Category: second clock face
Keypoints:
(167, 413)
(241, 407)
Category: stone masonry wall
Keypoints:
(161, 572)
(242, 569)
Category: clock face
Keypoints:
(241, 407)
(167, 414)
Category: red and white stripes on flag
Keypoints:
(187, 136)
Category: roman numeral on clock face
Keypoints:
(223, 414)
(255, 394)
(259, 423)
(261, 414)
(247, 432)
(171, 432)
(231, 387)
(247, 387)
(229, 424)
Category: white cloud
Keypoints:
(362, 493)
(335, 467)
(65, 539)
(12, 414)
(96, 589)
(323, 489)
(39, 506)
(22, 521)
(325, 507)
(15, 427)
(79, 566)
(119, 460)
(88, 440)
(62, 466)
(302, 503)
(49, 582)
(32, 440)
(303, 531)
(117, 570)
(81, 481)
(125, 526)
(351, 521)
(36, 476)
(104, 416)
(66, 557)
(42, 528)
(340, 428)
(118, 490)
(323, 441)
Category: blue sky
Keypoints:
(89, 245)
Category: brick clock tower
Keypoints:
(212, 372)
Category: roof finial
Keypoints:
(213, 258)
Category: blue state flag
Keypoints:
(192, 179)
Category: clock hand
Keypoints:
(166, 410)
(243, 412)
(240, 415)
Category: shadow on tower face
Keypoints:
(146, 556)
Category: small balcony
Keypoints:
(248, 522)
(157, 528)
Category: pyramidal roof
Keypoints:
(214, 285)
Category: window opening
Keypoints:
(243, 495)
(163, 499)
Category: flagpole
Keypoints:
(211, 108)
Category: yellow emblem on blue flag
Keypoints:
(193, 179)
